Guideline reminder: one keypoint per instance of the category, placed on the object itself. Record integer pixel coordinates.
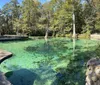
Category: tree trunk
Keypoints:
(53, 35)
(46, 35)
(74, 33)
(17, 31)
(0, 31)
(47, 29)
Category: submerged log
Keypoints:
(93, 72)
(4, 55)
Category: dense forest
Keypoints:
(54, 17)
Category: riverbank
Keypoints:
(13, 37)
(95, 36)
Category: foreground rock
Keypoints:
(3, 80)
(93, 72)
(4, 55)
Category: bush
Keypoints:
(59, 35)
(68, 35)
(84, 36)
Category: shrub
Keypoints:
(68, 35)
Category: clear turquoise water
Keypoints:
(45, 60)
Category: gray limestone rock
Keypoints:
(3, 80)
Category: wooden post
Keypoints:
(93, 72)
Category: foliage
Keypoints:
(91, 15)
(62, 18)
(53, 17)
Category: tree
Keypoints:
(91, 16)
(79, 19)
(62, 18)
(96, 4)
(1, 22)
(30, 14)
(7, 24)
(16, 13)
(11, 12)
(54, 16)
(45, 17)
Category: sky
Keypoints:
(3, 2)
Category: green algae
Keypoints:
(56, 54)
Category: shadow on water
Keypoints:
(74, 73)
(44, 75)
(18, 40)
(52, 47)
(22, 77)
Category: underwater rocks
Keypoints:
(4, 55)
(3, 80)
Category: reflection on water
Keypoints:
(74, 40)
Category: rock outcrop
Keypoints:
(93, 72)
(3, 80)
(4, 55)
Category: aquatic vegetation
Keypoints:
(64, 59)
